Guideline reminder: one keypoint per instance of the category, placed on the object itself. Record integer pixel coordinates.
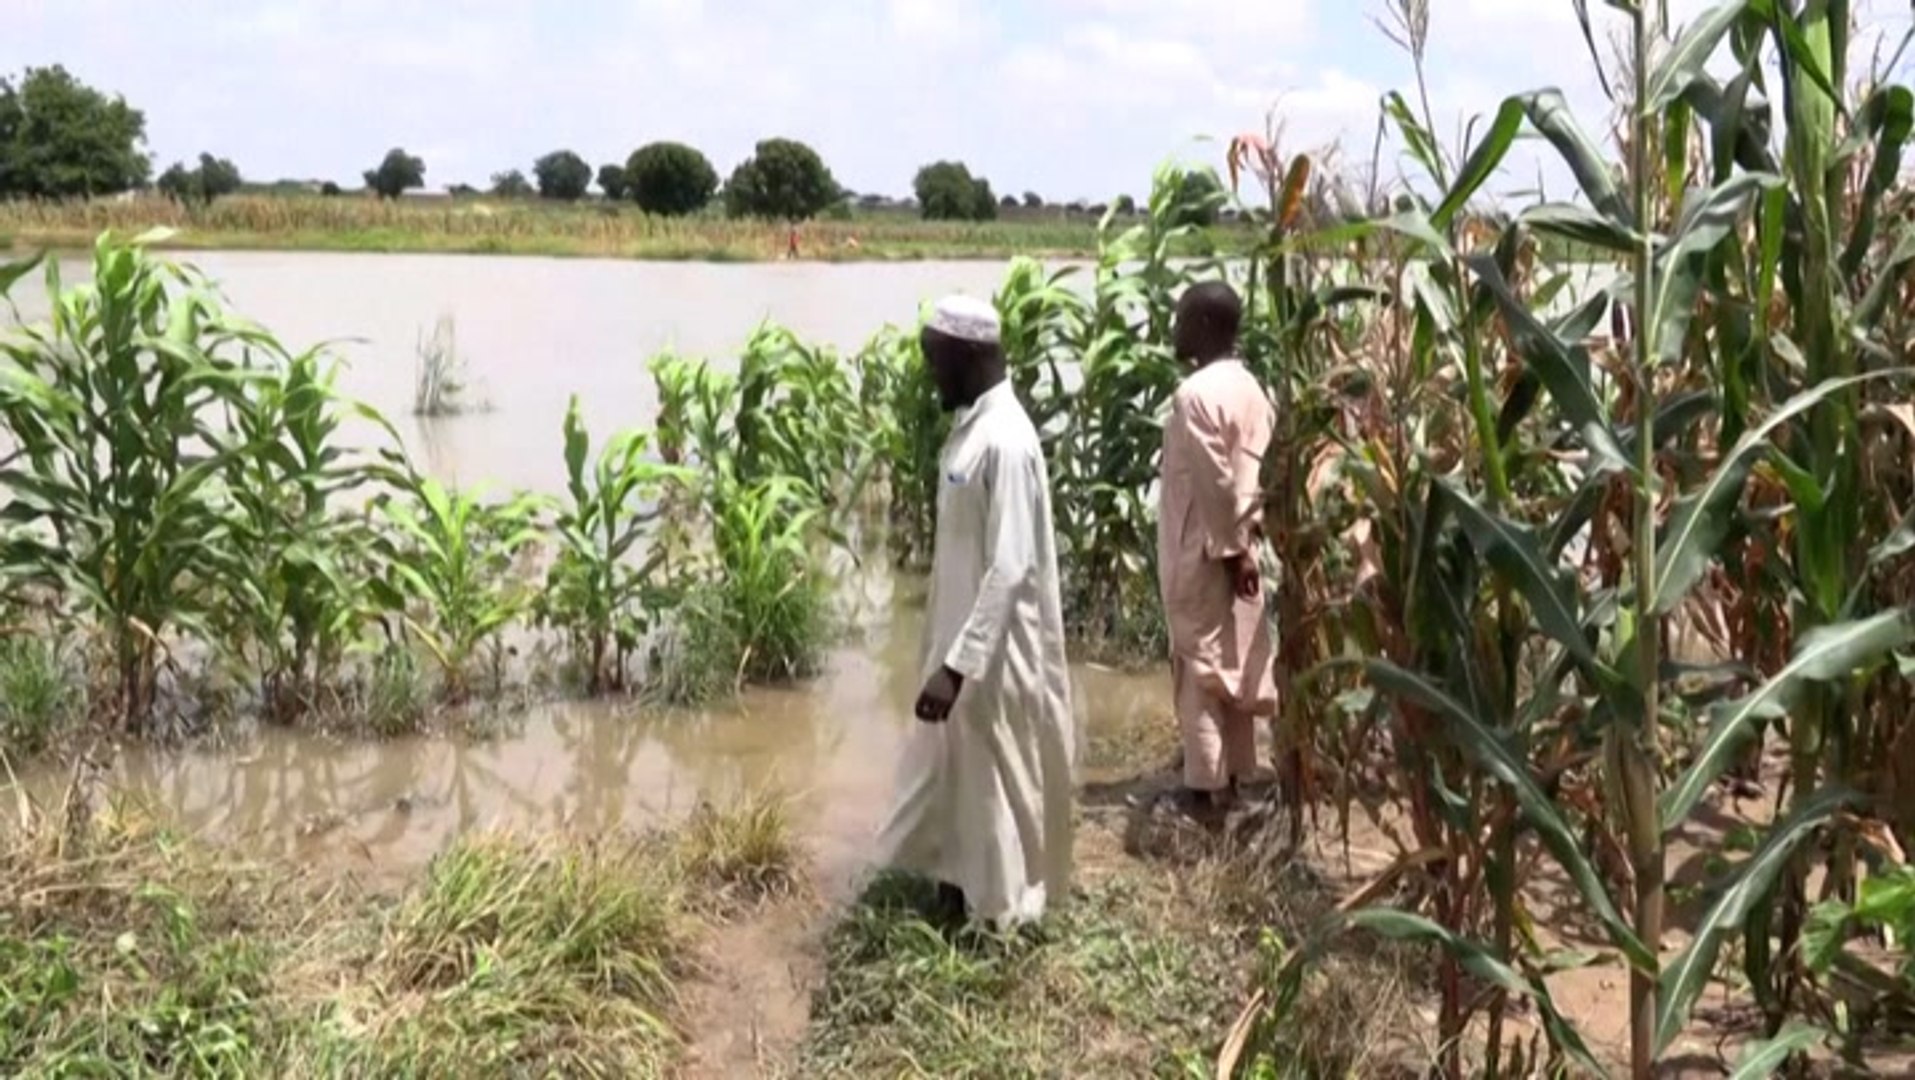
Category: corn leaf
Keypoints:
(1580, 225)
(1563, 367)
(1480, 962)
(1518, 556)
(14, 271)
(1824, 654)
(1701, 519)
(1682, 981)
(1685, 61)
(1764, 1059)
(1549, 111)
(1421, 143)
(1707, 220)
(1483, 161)
(1888, 116)
(1489, 750)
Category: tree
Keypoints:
(947, 191)
(562, 175)
(1008, 202)
(511, 184)
(60, 138)
(669, 178)
(212, 178)
(1033, 201)
(1125, 204)
(611, 181)
(783, 179)
(398, 173)
(329, 189)
(1199, 198)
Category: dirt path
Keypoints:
(747, 1015)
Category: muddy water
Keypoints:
(534, 332)
(385, 808)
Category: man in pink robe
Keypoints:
(1210, 523)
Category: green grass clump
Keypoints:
(1109, 985)
(124, 952)
(127, 951)
(744, 853)
(39, 696)
(519, 956)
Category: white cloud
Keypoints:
(1070, 97)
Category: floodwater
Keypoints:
(532, 332)
(535, 332)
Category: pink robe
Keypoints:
(1211, 509)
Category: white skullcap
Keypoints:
(966, 319)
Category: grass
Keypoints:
(742, 854)
(128, 951)
(1140, 975)
(39, 694)
(507, 227)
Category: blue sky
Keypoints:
(1071, 98)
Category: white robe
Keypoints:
(984, 799)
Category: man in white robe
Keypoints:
(984, 793)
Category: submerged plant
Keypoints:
(39, 694)
(604, 577)
(773, 591)
(440, 380)
(300, 603)
(113, 496)
(448, 560)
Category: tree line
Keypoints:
(62, 139)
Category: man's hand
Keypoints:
(1244, 576)
(939, 696)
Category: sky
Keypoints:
(1068, 98)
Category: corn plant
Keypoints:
(113, 488)
(1596, 507)
(1096, 375)
(774, 593)
(447, 559)
(298, 604)
(598, 591)
(907, 429)
(798, 415)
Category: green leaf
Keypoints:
(1563, 367)
(1421, 143)
(1761, 1060)
(1517, 555)
(1687, 59)
(14, 271)
(1484, 965)
(1580, 225)
(1889, 117)
(1707, 220)
(1684, 978)
(1488, 749)
(1483, 161)
(1700, 520)
(1549, 111)
(1824, 654)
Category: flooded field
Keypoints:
(535, 332)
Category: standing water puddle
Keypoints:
(385, 808)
